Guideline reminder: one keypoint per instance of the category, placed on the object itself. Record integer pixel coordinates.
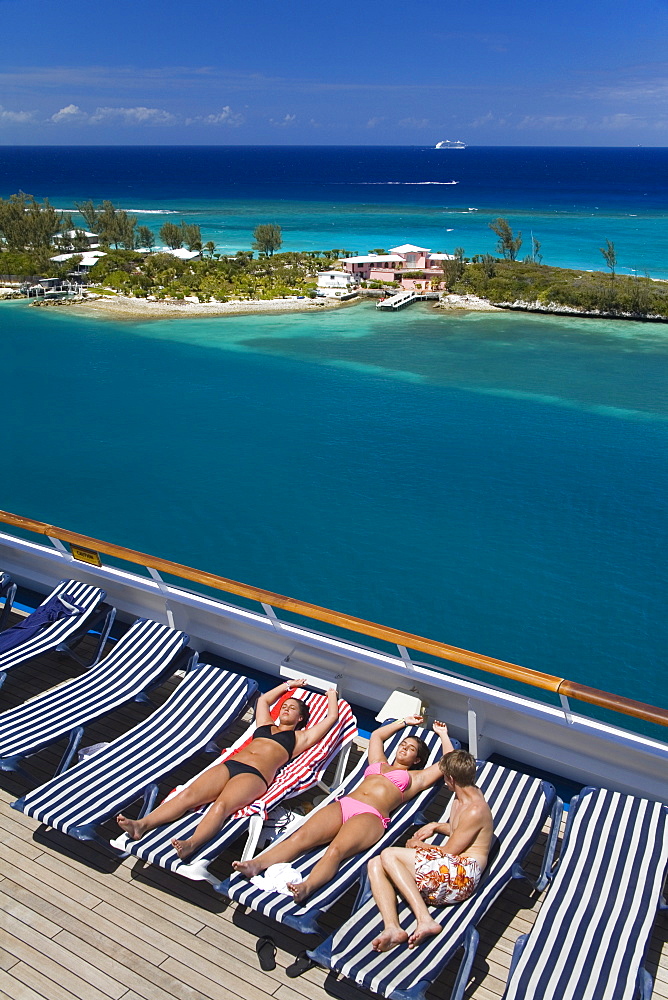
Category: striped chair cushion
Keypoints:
(592, 930)
(138, 660)
(520, 805)
(295, 777)
(81, 594)
(282, 907)
(206, 702)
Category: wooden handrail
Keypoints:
(501, 668)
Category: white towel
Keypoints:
(276, 878)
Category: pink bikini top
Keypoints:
(401, 779)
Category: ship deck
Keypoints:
(78, 922)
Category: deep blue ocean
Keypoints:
(496, 481)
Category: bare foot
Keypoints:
(184, 848)
(300, 891)
(248, 868)
(132, 827)
(425, 929)
(390, 938)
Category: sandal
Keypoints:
(300, 965)
(266, 952)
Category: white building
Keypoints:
(92, 239)
(336, 284)
(88, 258)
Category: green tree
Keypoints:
(210, 248)
(89, 212)
(145, 237)
(27, 224)
(535, 257)
(508, 244)
(267, 238)
(610, 257)
(115, 227)
(171, 235)
(191, 235)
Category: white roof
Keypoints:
(442, 256)
(409, 248)
(371, 259)
(76, 232)
(180, 252)
(88, 258)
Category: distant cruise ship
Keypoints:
(450, 144)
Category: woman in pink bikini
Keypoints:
(357, 821)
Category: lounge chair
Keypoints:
(143, 657)
(590, 936)
(207, 701)
(304, 918)
(7, 594)
(294, 778)
(60, 621)
(520, 805)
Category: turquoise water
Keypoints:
(568, 237)
(361, 198)
(495, 481)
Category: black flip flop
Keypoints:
(301, 964)
(266, 952)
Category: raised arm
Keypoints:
(430, 775)
(265, 701)
(379, 736)
(306, 738)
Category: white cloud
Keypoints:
(133, 116)
(557, 122)
(16, 117)
(285, 121)
(623, 121)
(69, 115)
(639, 90)
(224, 117)
(414, 123)
(373, 122)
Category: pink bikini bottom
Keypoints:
(352, 807)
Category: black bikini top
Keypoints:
(286, 738)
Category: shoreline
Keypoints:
(126, 307)
(123, 306)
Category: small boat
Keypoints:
(450, 144)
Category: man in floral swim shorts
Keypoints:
(427, 875)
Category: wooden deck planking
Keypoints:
(79, 923)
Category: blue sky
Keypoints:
(376, 73)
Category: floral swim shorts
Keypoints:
(445, 878)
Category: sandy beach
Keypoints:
(120, 306)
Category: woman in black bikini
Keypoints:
(355, 822)
(245, 776)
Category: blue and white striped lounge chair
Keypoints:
(304, 918)
(62, 619)
(143, 657)
(520, 805)
(207, 701)
(590, 936)
(7, 595)
(293, 779)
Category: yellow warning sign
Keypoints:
(86, 555)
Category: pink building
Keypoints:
(394, 265)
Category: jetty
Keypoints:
(406, 297)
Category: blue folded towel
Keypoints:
(57, 607)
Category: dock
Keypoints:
(78, 922)
(404, 298)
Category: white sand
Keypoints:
(121, 305)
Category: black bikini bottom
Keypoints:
(235, 767)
